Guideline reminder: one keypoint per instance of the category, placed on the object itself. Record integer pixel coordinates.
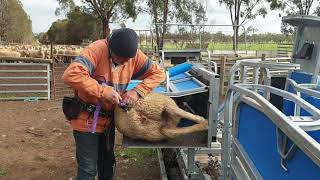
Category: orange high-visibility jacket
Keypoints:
(94, 66)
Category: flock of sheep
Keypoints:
(37, 51)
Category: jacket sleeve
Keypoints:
(78, 74)
(151, 74)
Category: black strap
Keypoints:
(90, 108)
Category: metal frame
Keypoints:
(295, 130)
(236, 163)
(308, 89)
(146, 36)
(186, 155)
(303, 22)
(182, 53)
(257, 64)
(207, 25)
(163, 173)
(212, 106)
(174, 92)
(210, 63)
(46, 77)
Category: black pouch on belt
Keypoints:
(71, 107)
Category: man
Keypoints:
(100, 76)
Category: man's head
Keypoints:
(123, 44)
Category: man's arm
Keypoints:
(77, 75)
(151, 74)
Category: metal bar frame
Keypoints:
(47, 77)
(207, 25)
(257, 63)
(294, 130)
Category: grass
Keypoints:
(138, 153)
(34, 97)
(242, 46)
(228, 46)
(3, 172)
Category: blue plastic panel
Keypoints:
(187, 85)
(257, 134)
(181, 86)
(159, 89)
(299, 78)
(180, 68)
(132, 84)
(179, 76)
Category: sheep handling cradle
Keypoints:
(272, 127)
(196, 90)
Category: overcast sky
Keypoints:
(42, 15)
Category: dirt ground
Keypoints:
(37, 143)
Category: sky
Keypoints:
(42, 15)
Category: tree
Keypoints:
(42, 38)
(58, 32)
(106, 10)
(78, 26)
(166, 11)
(81, 25)
(15, 24)
(242, 11)
(294, 7)
(3, 19)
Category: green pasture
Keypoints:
(226, 46)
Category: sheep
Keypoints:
(9, 53)
(155, 118)
(36, 53)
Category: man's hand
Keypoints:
(130, 97)
(113, 97)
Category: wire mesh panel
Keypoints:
(60, 64)
(145, 42)
(191, 36)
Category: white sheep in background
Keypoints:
(9, 53)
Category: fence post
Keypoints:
(53, 78)
(49, 81)
(51, 50)
(222, 75)
(261, 74)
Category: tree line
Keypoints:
(91, 20)
(78, 26)
(220, 37)
(192, 12)
(15, 24)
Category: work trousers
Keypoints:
(94, 153)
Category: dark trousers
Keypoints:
(94, 153)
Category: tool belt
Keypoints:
(73, 106)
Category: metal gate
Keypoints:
(24, 81)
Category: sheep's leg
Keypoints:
(175, 132)
(175, 114)
(180, 113)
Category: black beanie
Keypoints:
(124, 42)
